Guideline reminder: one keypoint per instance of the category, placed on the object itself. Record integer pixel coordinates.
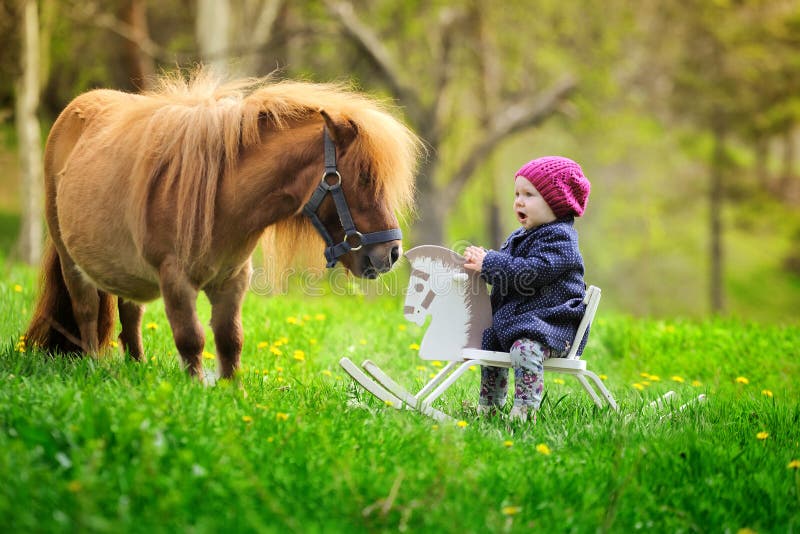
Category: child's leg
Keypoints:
(527, 358)
(494, 386)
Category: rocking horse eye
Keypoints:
(418, 288)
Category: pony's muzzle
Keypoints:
(380, 258)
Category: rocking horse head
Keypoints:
(456, 299)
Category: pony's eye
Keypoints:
(418, 288)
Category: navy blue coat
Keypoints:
(537, 287)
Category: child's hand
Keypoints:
(474, 257)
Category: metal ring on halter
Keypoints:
(357, 234)
(334, 185)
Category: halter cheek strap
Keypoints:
(332, 183)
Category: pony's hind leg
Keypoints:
(85, 304)
(180, 297)
(130, 315)
(226, 320)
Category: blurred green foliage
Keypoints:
(652, 79)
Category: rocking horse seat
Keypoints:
(458, 303)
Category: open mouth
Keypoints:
(521, 216)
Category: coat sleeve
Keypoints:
(551, 255)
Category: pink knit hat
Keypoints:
(561, 183)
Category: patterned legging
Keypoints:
(527, 359)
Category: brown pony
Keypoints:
(167, 193)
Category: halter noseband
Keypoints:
(334, 251)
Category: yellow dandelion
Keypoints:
(435, 427)
(17, 288)
(292, 320)
(638, 386)
(114, 343)
(281, 416)
(153, 359)
(152, 326)
(696, 383)
(436, 363)
(262, 407)
(762, 435)
(74, 486)
(742, 380)
(603, 377)
(558, 381)
(645, 383)
(320, 317)
(421, 368)
(299, 355)
(402, 327)
(543, 448)
(265, 372)
(275, 350)
(247, 419)
(362, 341)
(508, 443)
(473, 368)
(279, 368)
(794, 464)
(766, 393)
(654, 378)
(389, 403)
(262, 345)
(312, 341)
(280, 379)
(678, 379)
(326, 372)
(207, 355)
(432, 375)
(510, 510)
(414, 346)
(462, 424)
(644, 375)
(281, 341)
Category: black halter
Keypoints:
(353, 239)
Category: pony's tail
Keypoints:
(53, 327)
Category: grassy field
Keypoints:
(113, 445)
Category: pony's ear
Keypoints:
(342, 132)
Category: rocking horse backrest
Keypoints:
(457, 300)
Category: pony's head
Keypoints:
(376, 157)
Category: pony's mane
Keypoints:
(195, 127)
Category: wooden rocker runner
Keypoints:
(458, 302)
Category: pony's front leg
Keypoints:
(226, 319)
(180, 297)
(130, 315)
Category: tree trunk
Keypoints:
(211, 33)
(30, 142)
(787, 167)
(141, 67)
(715, 201)
(429, 227)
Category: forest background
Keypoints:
(684, 115)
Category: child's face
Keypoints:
(531, 209)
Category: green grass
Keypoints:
(114, 445)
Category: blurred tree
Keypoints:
(27, 92)
(425, 69)
(731, 72)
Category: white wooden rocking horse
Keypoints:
(458, 302)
